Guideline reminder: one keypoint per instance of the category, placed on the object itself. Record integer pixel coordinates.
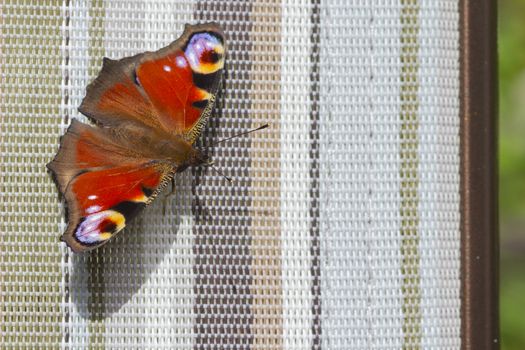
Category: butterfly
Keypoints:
(148, 109)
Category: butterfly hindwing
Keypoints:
(173, 88)
(104, 186)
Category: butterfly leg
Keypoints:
(168, 196)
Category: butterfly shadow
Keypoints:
(113, 277)
(116, 276)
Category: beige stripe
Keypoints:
(30, 254)
(409, 175)
(265, 174)
(95, 264)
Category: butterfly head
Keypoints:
(199, 157)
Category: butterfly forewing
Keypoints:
(173, 88)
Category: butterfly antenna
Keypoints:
(219, 172)
(229, 138)
(242, 133)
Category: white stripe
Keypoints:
(151, 270)
(148, 272)
(359, 169)
(344, 175)
(385, 294)
(79, 62)
(295, 175)
(439, 174)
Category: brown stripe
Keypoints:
(479, 197)
(315, 248)
(223, 299)
(30, 255)
(95, 261)
(265, 173)
(409, 177)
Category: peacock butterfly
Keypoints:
(149, 110)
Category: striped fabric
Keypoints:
(340, 229)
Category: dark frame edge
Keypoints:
(479, 162)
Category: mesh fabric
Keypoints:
(341, 227)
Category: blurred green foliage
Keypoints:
(512, 305)
(512, 107)
(511, 37)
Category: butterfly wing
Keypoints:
(173, 88)
(104, 185)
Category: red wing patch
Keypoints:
(169, 84)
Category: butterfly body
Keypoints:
(149, 110)
(163, 147)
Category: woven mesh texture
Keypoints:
(340, 229)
